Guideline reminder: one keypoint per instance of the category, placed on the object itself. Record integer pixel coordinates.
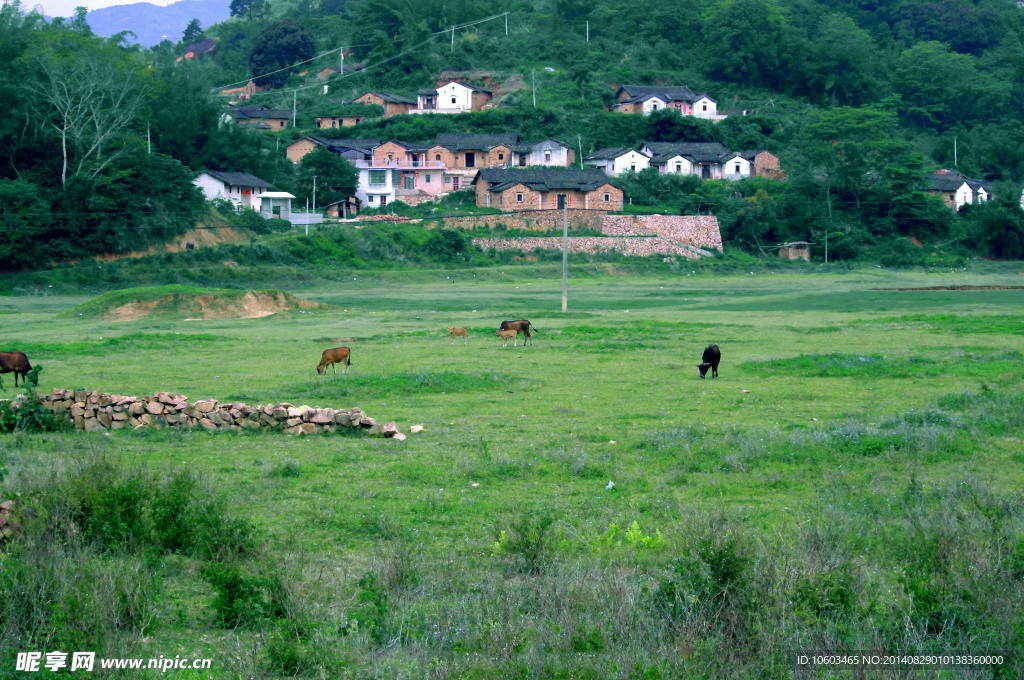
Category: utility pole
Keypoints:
(295, 94)
(506, 23)
(588, 31)
(565, 256)
(149, 145)
(533, 75)
(341, 64)
(954, 152)
(579, 140)
(453, 39)
(314, 193)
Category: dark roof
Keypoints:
(667, 93)
(238, 179)
(543, 180)
(390, 97)
(695, 151)
(427, 92)
(463, 142)
(201, 47)
(611, 153)
(367, 144)
(951, 181)
(751, 154)
(261, 111)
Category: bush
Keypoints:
(29, 415)
(244, 599)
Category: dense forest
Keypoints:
(859, 99)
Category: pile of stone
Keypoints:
(94, 410)
(7, 527)
(640, 247)
(695, 230)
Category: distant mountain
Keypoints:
(152, 23)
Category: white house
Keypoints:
(735, 166)
(550, 152)
(454, 97)
(377, 186)
(617, 161)
(276, 204)
(241, 188)
(652, 103)
(706, 107)
(957, 190)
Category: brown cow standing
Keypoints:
(506, 334)
(519, 326)
(459, 331)
(334, 356)
(17, 363)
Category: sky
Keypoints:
(65, 8)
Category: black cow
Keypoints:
(520, 326)
(712, 356)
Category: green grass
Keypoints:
(852, 476)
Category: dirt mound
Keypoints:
(191, 304)
(199, 238)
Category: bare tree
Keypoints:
(89, 105)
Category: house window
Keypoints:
(704, 107)
(378, 178)
(487, 199)
(522, 160)
(519, 198)
(547, 156)
(318, 122)
(282, 123)
(632, 167)
(426, 178)
(437, 156)
(501, 156)
(737, 168)
(561, 201)
(679, 168)
(470, 159)
(390, 158)
(453, 100)
(447, 180)
(607, 198)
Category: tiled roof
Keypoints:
(695, 151)
(611, 153)
(244, 112)
(367, 144)
(464, 142)
(238, 179)
(469, 85)
(543, 180)
(667, 93)
(390, 97)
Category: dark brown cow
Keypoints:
(712, 356)
(17, 363)
(342, 355)
(520, 326)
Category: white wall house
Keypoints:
(377, 186)
(241, 188)
(615, 162)
(705, 107)
(736, 166)
(676, 165)
(454, 97)
(549, 152)
(653, 103)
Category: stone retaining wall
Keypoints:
(640, 247)
(93, 410)
(666, 234)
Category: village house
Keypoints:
(454, 97)
(241, 188)
(400, 171)
(647, 99)
(710, 160)
(345, 209)
(956, 190)
(203, 48)
(393, 104)
(618, 160)
(764, 163)
(349, 149)
(260, 117)
(339, 121)
(545, 189)
(550, 152)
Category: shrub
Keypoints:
(244, 599)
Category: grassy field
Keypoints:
(584, 507)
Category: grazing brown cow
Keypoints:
(506, 334)
(459, 331)
(17, 363)
(334, 356)
(712, 357)
(520, 326)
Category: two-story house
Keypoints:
(241, 188)
(453, 97)
(399, 170)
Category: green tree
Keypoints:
(193, 32)
(250, 8)
(336, 178)
(280, 46)
(743, 38)
(842, 62)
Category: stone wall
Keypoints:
(696, 230)
(530, 220)
(93, 410)
(636, 246)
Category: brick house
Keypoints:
(647, 99)
(260, 117)
(393, 104)
(350, 149)
(533, 189)
(339, 121)
(765, 163)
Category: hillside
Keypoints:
(152, 23)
